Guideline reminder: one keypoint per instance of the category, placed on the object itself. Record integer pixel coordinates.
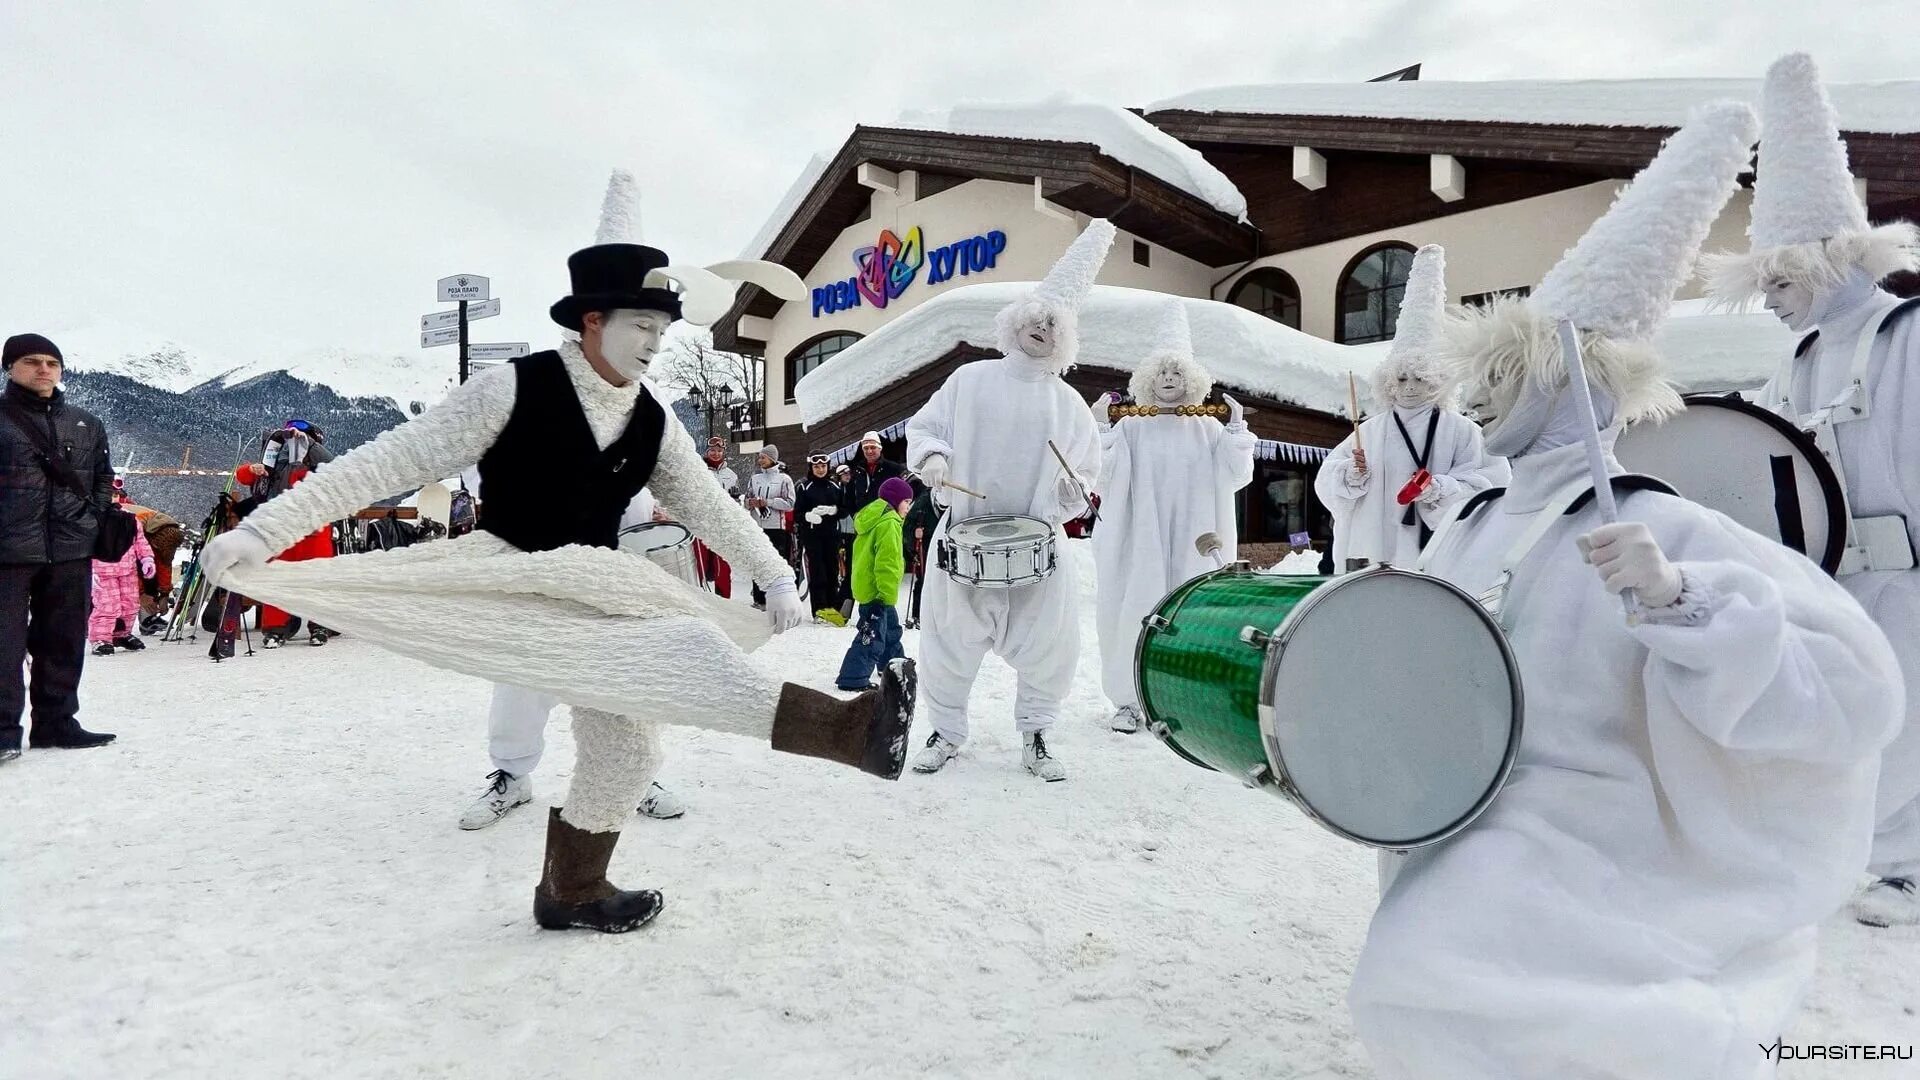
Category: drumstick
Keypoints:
(1353, 406)
(961, 490)
(1590, 434)
(1062, 458)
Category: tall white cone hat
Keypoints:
(1808, 225)
(1616, 284)
(1169, 345)
(619, 211)
(1417, 330)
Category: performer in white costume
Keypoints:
(987, 429)
(1360, 482)
(1165, 481)
(1695, 790)
(1854, 382)
(540, 598)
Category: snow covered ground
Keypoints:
(263, 878)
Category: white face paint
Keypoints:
(1036, 337)
(1170, 388)
(1791, 303)
(1414, 392)
(630, 338)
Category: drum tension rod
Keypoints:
(1254, 636)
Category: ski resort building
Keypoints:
(1284, 217)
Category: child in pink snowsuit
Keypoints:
(116, 598)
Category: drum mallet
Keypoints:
(1208, 545)
(1590, 434)
(1353, 413)
(1062, 458)
(961, 490)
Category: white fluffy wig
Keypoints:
(1032, 308)
(1507, 339)
(1820, 265)
(1199, 382)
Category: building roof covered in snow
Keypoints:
(1244, 352)
(1882, 107)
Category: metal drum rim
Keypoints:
(1276, 762)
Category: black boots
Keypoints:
(868, 732)
(67, 736)
(574, 891)
(131, 643)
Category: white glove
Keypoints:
(1236, 414)
(784, 609)
(819, 514)
(1439, 490)
(934, 473)
(1627, 557)
(1356, 475)
(236, 547)
(1101, 418)
(1072, 495)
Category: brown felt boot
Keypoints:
(574, 890)
(868, 731)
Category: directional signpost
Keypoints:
(505, 350)
(470, 291)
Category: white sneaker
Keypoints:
(1126, 720)
(504, 791)
(1888, 902)
(936, 755)
(1040, 762)
(662, 804)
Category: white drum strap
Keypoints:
(1851, 405)
(1495, 599)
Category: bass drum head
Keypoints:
(1749, 464)
(1392, 705)
(654, 536)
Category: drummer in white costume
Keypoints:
(1165, 482)
(987, 429)
(1818, 264)
(1694, 791)
(1361, 483)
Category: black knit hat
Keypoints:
(20, 345)
(611, 276)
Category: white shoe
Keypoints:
(1040, 762)
(1126, 720)
(936, 755)
(662, 804)
(1889, 902)
(504, 791)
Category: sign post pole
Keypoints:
(465, 370)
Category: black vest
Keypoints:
(545, 483)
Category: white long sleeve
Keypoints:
(444, 441)
(685, 486)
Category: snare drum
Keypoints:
(1755, 467)
(997, 551)
(1385, 704)
(667, 543)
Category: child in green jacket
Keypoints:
(878, 565)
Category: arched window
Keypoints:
(812, 353)
(1271, 293)
(1370, 290)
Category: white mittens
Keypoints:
(1072, 495)
(236, 547)
(784, 609)
(934, 473)
(821, 513)
(1236, 414)
(1627, 557)
(1102, 419)
(1440, 489)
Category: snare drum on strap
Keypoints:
(997, 551)
(667, 544)
(1385, 704)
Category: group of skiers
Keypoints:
(1697, 787)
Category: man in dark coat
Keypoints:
(870, 470)
(46, 546)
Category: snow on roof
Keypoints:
(789, 204)
(1243, 351)
(1883, 106)
(1119, 134)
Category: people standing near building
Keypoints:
(54, 480)
(538, 597)
(1416, 458)
(714, 569)
(770, 500)
(1854, 382)
(987, 429)
(1694, 795)
(878, 564)
(819, 504)
(287, 456)
(1165, 482)
(116, 594)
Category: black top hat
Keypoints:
(610, 276)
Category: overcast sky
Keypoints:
(247, 177)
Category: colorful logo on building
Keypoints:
(889, 267)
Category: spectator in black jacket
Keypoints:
(46, 546)
(819, 506)
(870, 470)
